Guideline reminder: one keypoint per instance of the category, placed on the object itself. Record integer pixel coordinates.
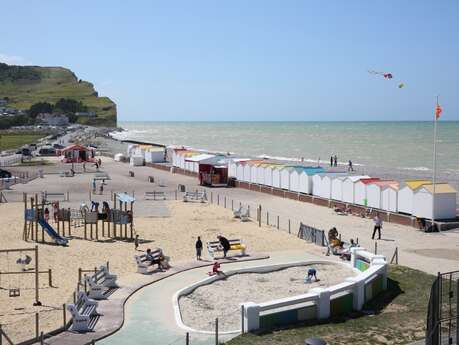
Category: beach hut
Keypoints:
(389, 198)
(348, 187)
(317, 184)
(301, 178)
(327, 183)
(337, 188)
(374, 192)
(154, 154)
(445, 201)
(261, 173)
(77, 154)
(247, 171)
(277, 176)
(240, 172)
(360, 190)
(213, 171)
(406, 194)
(268, 171)
(285, 178)
(193, 160)
(232, 167)
(253, 172)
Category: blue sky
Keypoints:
(248, 60)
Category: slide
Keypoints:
(51, 232)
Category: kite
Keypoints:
(387, 76)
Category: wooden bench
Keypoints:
(155, 195)
(144, 264)
(195, 196)
(84, 313)
(214, 246)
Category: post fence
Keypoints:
(216, 331)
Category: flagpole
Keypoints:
(434, 166)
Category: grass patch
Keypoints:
(9, 141)
(396, 316)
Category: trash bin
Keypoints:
(181, 188)
(151, 179)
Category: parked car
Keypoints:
(5, 174)
(47, 151)
(58, 146)
(25, 151)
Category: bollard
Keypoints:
(216, 331)
(242, 319)
(218, 199)
(232, 205)
(225, 201)
(211, 197)
(37, 325)
(376, 247)
(42, 338)
(267, 218)
(175, 195)
(277, 222)
(187, 339)
(50, 278)
(64, 315)
(289, 227)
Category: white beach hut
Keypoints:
(261, 174)
(240, 171)
(326, 186)
(285, 178)
(337, 188)
(360, 190)
(192, 162)
(155, 154)
(268, 171)
(253, 172)
(445, 201)
(294, 184)
(349, 187)
(232, 168)
(406, 194)
(374, 192)
(277, 176)
(317, 184)
(389, 196)
(247, 170)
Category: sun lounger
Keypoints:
(214, 247)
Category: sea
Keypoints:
(399, 150)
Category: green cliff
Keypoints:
(23, 86)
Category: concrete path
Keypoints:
(112, 309)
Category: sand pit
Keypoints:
(222, 298)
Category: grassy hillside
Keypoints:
(26, 85)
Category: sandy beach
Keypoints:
(173, 226)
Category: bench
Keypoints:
(96, 291)
(105, 278)
(144, 265)
(214, 246)
(242, 213)
(155, 195)
(85, 305)
(84, 313)
(195, 196)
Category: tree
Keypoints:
(68, 105)
(40, 107)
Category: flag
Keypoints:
(438, 111)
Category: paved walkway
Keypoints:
(112, 309)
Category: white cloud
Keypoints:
(13, 59)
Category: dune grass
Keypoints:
(397, 316)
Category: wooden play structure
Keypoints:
(36, 214)
(14, 288)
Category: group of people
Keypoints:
(101, 187)
(224, 243)
(336, 246)
(161, 260)
(334, 163)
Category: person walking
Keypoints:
(136, 242)
(331, 160)
(335, 160)
(378, 225)
(198, 246)
(94, 186)
(350, 168)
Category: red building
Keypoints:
(77, 154)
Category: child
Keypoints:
(46, 215)
(101, 189)
(198, 246)
(136, 242)
(312, 272)
(56, 211)
(215, 269)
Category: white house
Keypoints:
(445, 201)
(348, 187)
(406, 194)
